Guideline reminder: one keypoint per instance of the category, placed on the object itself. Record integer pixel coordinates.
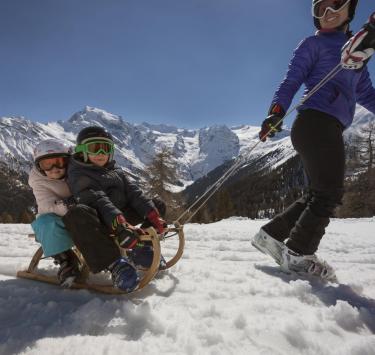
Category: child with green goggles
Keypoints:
(96, 147)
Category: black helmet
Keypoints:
(352, 7)
(93, 132)
(90, 134)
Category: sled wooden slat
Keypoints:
(149, 274)
(35, 260)
(54, 281)
(177, 229)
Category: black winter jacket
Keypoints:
(107, 189)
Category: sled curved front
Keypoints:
(181, 244)
(32, 274)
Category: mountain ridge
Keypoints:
(196, 151)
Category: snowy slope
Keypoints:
(223, 297)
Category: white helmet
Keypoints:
(51, 147)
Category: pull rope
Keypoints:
(210, 191)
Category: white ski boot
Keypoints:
(306, 264)
(268, 245)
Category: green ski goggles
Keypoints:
(96, 147)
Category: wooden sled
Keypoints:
(33, 274)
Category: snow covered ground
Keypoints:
(223, 297)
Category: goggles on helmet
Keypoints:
(320, 8)
(96, 147)
(48, 164)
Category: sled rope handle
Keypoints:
(210, 191)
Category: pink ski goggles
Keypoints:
(320, 8)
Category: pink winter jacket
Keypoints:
(49, 193)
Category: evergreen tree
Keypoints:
(224, 207)
(161, 173)
(26, 217)
(6, 218)
(367, 147)
(359, 198)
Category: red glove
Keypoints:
(157, 222)
(127, 235)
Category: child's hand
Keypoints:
(127, 235)
(157, 222)
(69, 202)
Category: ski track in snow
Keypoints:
(223, 297)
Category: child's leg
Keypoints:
(91, 237)
(142, 256)
(317, 137)
(51, 234)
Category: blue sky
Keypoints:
(189, 63)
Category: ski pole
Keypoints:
(238, 161)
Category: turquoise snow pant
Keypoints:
(51, 233)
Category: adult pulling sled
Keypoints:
(36, 274)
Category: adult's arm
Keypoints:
(304, 57)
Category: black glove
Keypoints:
(272, 123)
(127, 235)
(359, 49)
(69, 202)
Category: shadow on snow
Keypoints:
(31, 310)
(329, 294)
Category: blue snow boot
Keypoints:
(124, 275)
(142, 256)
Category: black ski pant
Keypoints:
(317, 137)
(92, 237)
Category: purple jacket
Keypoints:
(313, 59)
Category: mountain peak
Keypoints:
(95, 116)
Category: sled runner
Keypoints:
(33, 273)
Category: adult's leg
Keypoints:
(91, 237)
(317, 137)
(281, 225)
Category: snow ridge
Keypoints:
(196, 152)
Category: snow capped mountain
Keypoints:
(196, 152)
(361, 119)
(217, 144)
